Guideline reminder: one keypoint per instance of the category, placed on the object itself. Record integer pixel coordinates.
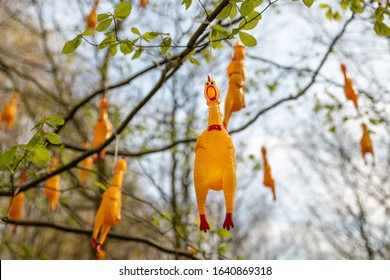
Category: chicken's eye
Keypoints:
(212, 83)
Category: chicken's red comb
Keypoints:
(208, 78)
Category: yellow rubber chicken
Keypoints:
(350, 92)
(52, 186)
(102, 130)
(109, 212)
(268, 179)
(366, 144)
(235, 99)
(92, 17)
(9, 112)
(143, 3)
(87, 164)
(17, 202)
(214, 160)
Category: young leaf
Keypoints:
(39, 155)
(122, 11)
(8, 156)
(187, 3)
(135, 31)
(113, 49)
(137, 53)
(88, 32)
(55, 121)
(246, 7)
(100, 17)
(36, 138)
(53, 138)
(126, 48)
(194, 61)
(225, 12)
(308, 3)
(108, 41)
(250, 21)
(72, 45)
(104, 24)
(247, 39)
(165, 45)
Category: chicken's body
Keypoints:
(17, 202)
(143, 3)
(109, 212)
(268, 179)
(366, 144)
(235, 99)
(102, 130)
(350, 92)
(214, 161)
(9, 112)
(92, 17)
(52, 186)
(87, 165)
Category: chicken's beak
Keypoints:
(211, 93)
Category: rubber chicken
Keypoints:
(17, 202)
(366, 144)
(9, 112)
(268, 179)
(87, 164)
(102, 130)
(235, 99)
(350, 92)
(52, 186)
(214, 160)
(101, 255)
(92, 17)
(109, 212)
(143, 3)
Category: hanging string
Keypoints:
(211, 52)
(116, 149)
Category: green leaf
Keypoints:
(224, 233)
(103, 25)
(156, 221)
(55, 120)
(247, 7)
(194, 61)
(100, 17)
(233, 11)
(135, 31)
(324, 6)
(126, 48)
(72, 45)
(137, 53)
(247, 39)
(122, 11)
(222, 30)
(39, 155)
(308, 3)
(101, 185)
(150, 36)
(8, 156)
(225, 12)
(114, 49)
(53, 138)
(36, 138)
(382, 29)
(165, 45)
(108, 41)
(250, 21)
(88, 32)
(187, 3)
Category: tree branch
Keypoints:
(89, 233)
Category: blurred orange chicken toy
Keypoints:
(102, 130)
(214, 160)
(268, 179)
(17, 202)
(9, 112)
(235, 99)
(52, 186)
(350, 92)
(92, 17)
(86, 164)
(109, 212)
(366, 144)
(143, 3)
